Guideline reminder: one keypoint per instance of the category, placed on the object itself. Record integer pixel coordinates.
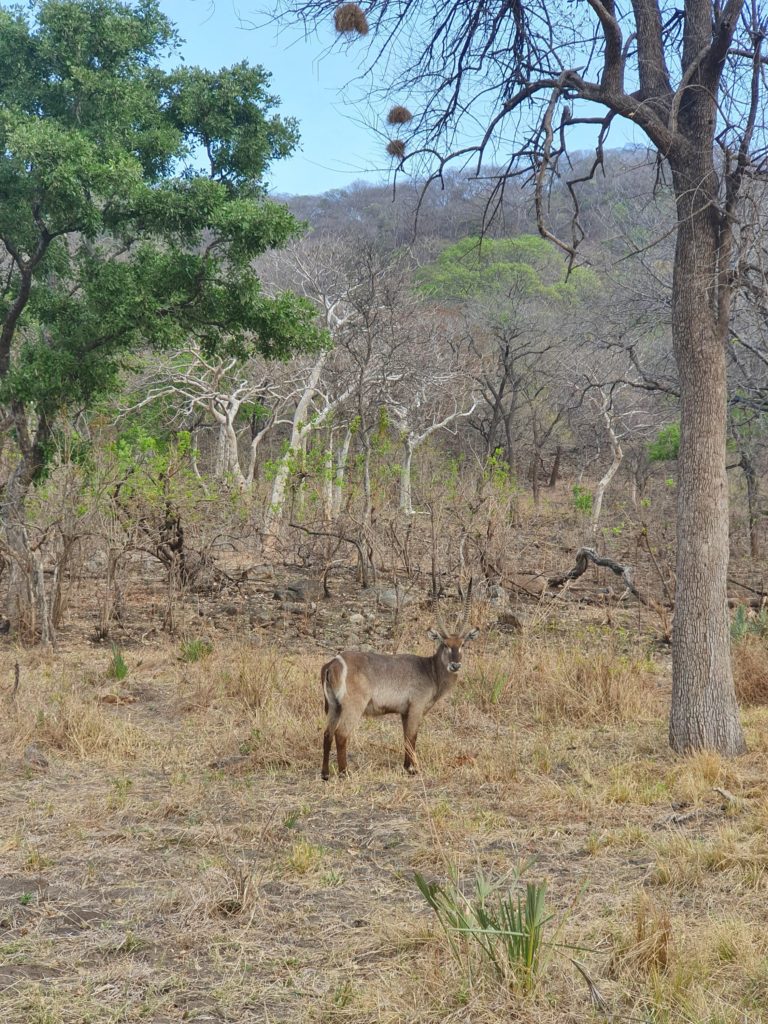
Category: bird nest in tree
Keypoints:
(396, 147)
(399, 115)
(350, 18)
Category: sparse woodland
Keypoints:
(240, 434)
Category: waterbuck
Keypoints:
(356, 683)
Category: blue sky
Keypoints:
(336, 149)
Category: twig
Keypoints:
(596, 997)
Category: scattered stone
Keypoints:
(299, 609)
(290, 592)
(391, 597)
(261, 618)
(356, 619)
(509, 620)
(34, 757)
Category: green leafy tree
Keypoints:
(132, 204)
(526, 267)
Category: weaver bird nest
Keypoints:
(399, 115)
(396, 148)
(349, 18)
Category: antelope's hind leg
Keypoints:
(330, 728)
(333, 714)
(350, 717)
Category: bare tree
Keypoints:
(693, 81)
(219, 388)
(429, 405)
(349, 282)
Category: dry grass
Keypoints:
(169, 852)
(750, 670)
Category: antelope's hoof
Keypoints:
(324, 776)
(411, 769)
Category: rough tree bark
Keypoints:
(704, 712)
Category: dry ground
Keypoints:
(168, 852)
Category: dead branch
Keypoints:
(586, 555)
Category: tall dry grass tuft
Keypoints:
(750, 670)
(57, 707)
(273, 703)
(646, 944)
(570, 685)
(229, 889)
(74, 724)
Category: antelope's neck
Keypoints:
(444, 680)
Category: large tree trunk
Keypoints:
(27, 605)
(704, 713)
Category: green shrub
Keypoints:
(195, 649)
(582, 499)
(117, 667)
(667, 444)
(507, 930)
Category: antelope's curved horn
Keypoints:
(465, 606)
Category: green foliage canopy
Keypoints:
(523, 267)
(115, 236)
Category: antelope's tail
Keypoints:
(333, 677)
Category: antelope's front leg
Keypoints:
(411, 721)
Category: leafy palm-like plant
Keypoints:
(507, 930)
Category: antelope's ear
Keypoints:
(472, 634)
(434, 635)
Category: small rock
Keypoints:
(356, 619)
(34, 756)
(390, 597)
(291, 592)
(299, 609)
(510, 620)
